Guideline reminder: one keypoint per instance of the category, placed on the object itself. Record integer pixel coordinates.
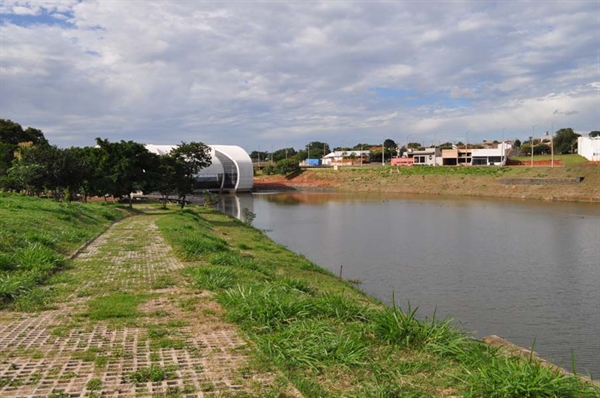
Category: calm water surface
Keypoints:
(526, 271)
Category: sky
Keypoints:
(272, 74)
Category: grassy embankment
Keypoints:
(326, 336)
(564, 160)
(36, 238)
(459, 181)
(329, 338)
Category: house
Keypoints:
(491, 156)
(346, 158)
(589, 148)
(477, 156)
(427, 156)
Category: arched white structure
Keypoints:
(231, 168)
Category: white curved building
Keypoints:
(231, 168)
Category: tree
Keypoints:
(24, 177)
(525, 149)
(257, 156)
(362, 146)
(389, 144)
(11, 135)
(126, 164)
(189, 160)
(415, 145)
(595, 133)
(517, 143)
(565, 141)
(167, 180)
(93, 180)
(284, 153)
(318, 149)
(287, 167)
(541, 149)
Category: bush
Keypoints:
(287, 167)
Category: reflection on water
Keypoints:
(523, 270)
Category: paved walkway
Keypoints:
(181, 332)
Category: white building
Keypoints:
(589, 148)
(346, 157)
(490, 156)
(428, 156)
(477, 157)
(231, 168)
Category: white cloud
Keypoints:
(19, 10)
(294, 72)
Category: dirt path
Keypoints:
(179, 338)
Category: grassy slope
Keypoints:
(462, 181)
(567, 160)
(329, 338)
(37, 235)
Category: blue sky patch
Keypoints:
(44, 18)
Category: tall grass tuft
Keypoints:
(395, 326)
(266, 306)
(315, 344)
(213, 277)
(196, 246)
(36, 256)
(502, 376)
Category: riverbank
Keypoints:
(539, 183)
(195, 303)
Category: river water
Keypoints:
(527, 271)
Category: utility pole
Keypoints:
(502, 158)
(532, 134)
(552, 141)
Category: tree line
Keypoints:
(564, 142)
(28, 163)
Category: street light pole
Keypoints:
(552, 141)
(502, 158)
(361, 154)
(383, 153)
(532, 134)
(361, 151)
(467, 148)
(434, 150)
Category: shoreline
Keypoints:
(571, 184)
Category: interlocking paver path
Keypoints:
(180, 331)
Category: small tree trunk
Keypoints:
(129, 199)
(182, 201)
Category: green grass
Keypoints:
(153, 373)
(37, 235)
(330, 339)
(566, 160)
(119, 305)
